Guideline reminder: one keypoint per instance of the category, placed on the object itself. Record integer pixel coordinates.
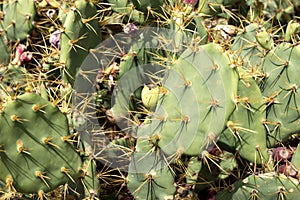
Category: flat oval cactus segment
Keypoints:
(35, 151)
(280, 91)
(201, 86)
(81, 33)
(19, 19)
(149, 177)
(268, 186)
(4, 49)
(245, 130)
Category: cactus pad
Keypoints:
(34, 142)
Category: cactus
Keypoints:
(34, 132)
(147, 6)
(127, 8)
(291, 31)
(245, 129)
(4, 50)
(296, 159)
(13, 80)
(267, 186)
(87, 184)
(135, 70)
(246, 47)
(203, 99)
(227, 164)
(216, 7)
(149, 177)
(281, 9)
(213, 167)
(19, 19)
(193, 169)
(264, 39)
(81, 33)
(279, 89)
(193, 129)
(150, 95)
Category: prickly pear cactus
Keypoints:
(149, 177)
(296, 158)
(81, 33)
(4, 50)
(247, 48)
(280, 91)
(126, 7)
(13, 79)
(245, 129)
(267, 186)
(291, 31)
(37, 153)
(19, 18)
(197, 79)
(148, 6)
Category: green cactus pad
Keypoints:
(81, 33)
(4, 51)
(87, 185)
(245, 129)
(149, 177)
(265, 40)
(193, 170)
(246, 47)
(296, 158)
(280, 91)
(291, 31)
(193, 112)
(19, 19)
(268, 186)
(126, 7)
(13, 80)
(148, 6)
(36, 154)
(150, 96)
(216, 7)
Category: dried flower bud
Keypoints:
(282, 154)
(130, 28)
(22, 55)
(25, 57)
(55, 39)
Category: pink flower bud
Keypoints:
(22, 56)
(282, 153)
(20, 49)
(25, 57)
(190, 2)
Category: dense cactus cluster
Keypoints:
(140, 99)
